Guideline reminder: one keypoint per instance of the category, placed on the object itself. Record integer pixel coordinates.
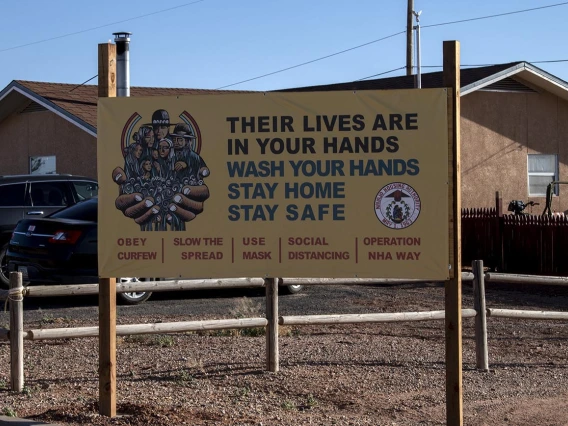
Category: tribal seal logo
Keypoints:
(397, 205)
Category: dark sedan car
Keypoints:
(61, 249)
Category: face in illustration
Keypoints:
(137, 151)
(164, 149)
(179, 143)
(155, 154)
(161, 131)
(149, 137)
(147, 166)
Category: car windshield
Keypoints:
(85, 210)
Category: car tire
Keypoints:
(134, 298)
(4, 274)
(291, 289)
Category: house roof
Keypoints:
(78, 104)
(428, 80)
(471, 79)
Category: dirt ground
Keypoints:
(366, 374)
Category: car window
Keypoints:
(84, 210)
(52, 194)
(12, 195)
(86, 190)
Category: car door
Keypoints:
(12, 204)
(45, 197)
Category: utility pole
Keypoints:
(409, 38)
(418, 70)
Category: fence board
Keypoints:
(520, 244)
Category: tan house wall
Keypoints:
(498, 130)
(46, 133)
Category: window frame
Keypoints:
(47, 158)
(554, 175)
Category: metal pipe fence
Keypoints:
(16, 334)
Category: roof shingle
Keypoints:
(81, 101)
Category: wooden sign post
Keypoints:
(453, 291)
(107, 286)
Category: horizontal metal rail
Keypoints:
(201, 284)
(155, 328)
(369, 318)
(525, 279)
(517, 314)
(139, 286)
(466, 276)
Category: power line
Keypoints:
(549, 62)
(491, 65)
(312, 61)
(494, 16)
(293, 66)
(382, 73)
(84, 82)
(392, 35)
(101, 26)
(463, 65)
(394, 69)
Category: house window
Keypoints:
(42, 165)
(543, 169)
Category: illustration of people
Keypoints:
(165, 163)
(160, 126)
(162, 184)
(145, 137)
(187, 162)
(146, 168)
(132, 160)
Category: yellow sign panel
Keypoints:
(325, 184)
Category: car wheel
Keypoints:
(4, 274)
(133, 298)
(291, 289)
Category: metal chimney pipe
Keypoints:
(122, 40)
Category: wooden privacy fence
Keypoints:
(535, 243)
(481, 237)
(520, 244)
(17, 335)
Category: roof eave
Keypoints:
(14, 86)
(545, 80)
(479, 84)
(527, 72)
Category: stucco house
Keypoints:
(514, 128)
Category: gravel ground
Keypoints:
(371, 374)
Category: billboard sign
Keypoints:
(319, 184)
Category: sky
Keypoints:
(212, 44)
